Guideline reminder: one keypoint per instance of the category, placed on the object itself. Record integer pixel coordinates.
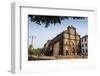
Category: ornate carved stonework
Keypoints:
(65, 43)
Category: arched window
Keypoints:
(66, 43)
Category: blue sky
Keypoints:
(42, 34)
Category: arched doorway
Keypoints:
(73, 50)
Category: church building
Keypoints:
(65, 43)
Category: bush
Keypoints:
(34, 51)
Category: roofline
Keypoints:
(84, 36)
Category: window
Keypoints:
(82, 45)
(85, 40)
(66, 43)
(73, 44)
(86, 50)
(85, 45)
(83, 50)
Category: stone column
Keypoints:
(56, 49)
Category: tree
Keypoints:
(30, 52)
(47, 20)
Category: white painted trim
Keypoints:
(16, 29)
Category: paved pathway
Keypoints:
(58, 57)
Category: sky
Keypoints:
(41, 34)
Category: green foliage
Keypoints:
(47, 20)
(32, 51)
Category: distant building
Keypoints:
(84, 44)
(65, 43)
